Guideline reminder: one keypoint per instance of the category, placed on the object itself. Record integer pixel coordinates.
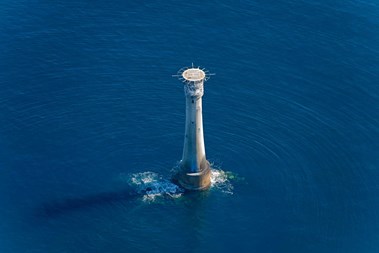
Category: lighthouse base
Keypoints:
(194, 181)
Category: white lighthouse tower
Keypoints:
(194, 169)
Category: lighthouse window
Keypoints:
(192, 101)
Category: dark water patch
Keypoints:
(61, 207)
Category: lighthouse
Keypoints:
(194, 170)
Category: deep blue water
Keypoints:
(87, 99)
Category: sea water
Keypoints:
(92, 123)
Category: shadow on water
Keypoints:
(60, 207)
(147, 186)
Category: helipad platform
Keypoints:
(193, 74)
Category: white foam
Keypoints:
(220, 181)
(152, 185)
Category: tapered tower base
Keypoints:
(194, 181)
